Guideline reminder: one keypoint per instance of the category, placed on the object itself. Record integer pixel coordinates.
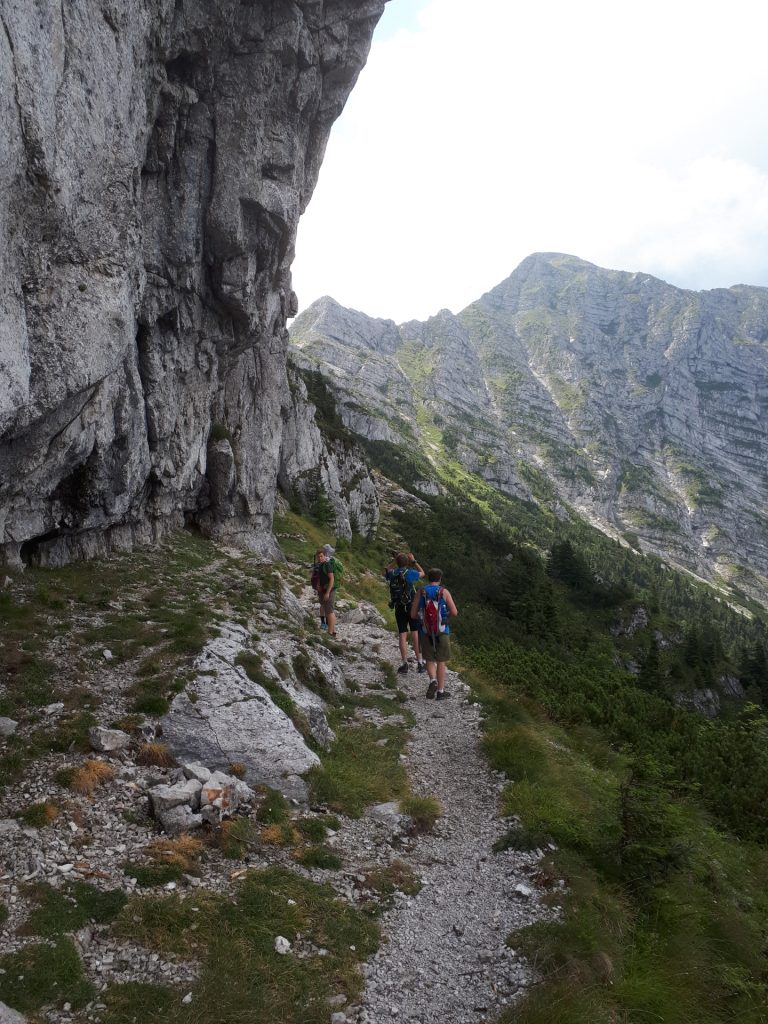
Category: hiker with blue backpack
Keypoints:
(432, 606)
(401, 574)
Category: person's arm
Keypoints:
(449, 603)
(415, 565)
(330, 584)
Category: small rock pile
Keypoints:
(204, 796)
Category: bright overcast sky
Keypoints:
(631, 135)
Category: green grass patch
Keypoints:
(237, 837)
(356, 771)
(316, 829)
(66, 910)
(149, 875)
(319, 857)
(274, 809)
(42, 974)
(242, 977)
(136, 1001)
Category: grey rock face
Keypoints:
(228, 718)
(156, 158)
(641, 406)
(311, 463)
(8, 726)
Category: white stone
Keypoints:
(7, 726)
(282, 945)
(10, 1016)
(196, 771)
(108, 741)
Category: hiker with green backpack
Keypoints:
(401, 574)
(329, 571)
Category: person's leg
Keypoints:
(440, 672)
(331, 618)
(442, 654)
(416, 649)
(402, 641)
(432, 673)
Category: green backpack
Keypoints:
(337, 568)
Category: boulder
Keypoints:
(108, 741)
(363, 614)
(176, 820)
(7, 726)
(233, 719)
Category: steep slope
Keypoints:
(640, 405)
(157, 157)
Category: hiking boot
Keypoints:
(323, 625)
(431, 689)
(421, 667)
(403, 668)
(442, 695)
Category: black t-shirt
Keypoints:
(324, 570)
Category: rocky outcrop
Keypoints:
(314, 464)
(157, 156)
(640, 406)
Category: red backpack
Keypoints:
(433, 610)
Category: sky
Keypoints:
(630, 135)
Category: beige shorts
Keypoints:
(328, 604)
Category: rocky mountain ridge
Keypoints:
(156, 159)
(640, 406)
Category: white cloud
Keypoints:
(629, 136)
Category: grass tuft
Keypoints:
(181, 851)
(318, 857)
(39, 815)
(156, 754)
(88, 777)
(423, 812)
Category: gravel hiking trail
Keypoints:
(444, 957)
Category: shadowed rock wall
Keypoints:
(155, 158)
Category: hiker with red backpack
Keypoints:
(433, 606)
(401, 574)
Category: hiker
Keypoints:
(315, 581)
(432, 606)
(326, 589)
(401, 574)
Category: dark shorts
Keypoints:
(440, 650)
(404, 620)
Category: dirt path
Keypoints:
(445, 958)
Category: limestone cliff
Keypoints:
(641, 406)
(156, 157)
